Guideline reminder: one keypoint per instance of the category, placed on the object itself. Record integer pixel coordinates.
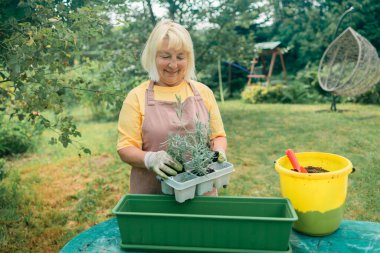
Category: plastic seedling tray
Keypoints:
(205, 224)
(197, 185)
(204, 187)
(183, 186)
(221, 175)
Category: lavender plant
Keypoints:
(192, 148)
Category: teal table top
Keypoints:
(352, 236)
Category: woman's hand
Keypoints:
(162, 164)
(219, 145)
(220, 156)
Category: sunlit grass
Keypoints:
(260, 134)
(53, 194)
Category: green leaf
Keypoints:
(86, 151)
(53, 141)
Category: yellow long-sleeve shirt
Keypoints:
(131, 116)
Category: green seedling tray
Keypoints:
(205, 224)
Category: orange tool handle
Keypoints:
(293, 159)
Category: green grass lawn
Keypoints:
(52, 194)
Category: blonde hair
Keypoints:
(178, 37)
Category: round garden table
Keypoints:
(352, 236)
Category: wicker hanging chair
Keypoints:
(350, 65)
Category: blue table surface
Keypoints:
(352, 236)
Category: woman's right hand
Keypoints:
(162, 164)
(219, 156)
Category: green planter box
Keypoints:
(205, 224)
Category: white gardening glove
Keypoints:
(162, 164)
(220, 156)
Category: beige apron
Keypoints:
(159, 121)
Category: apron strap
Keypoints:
(197, 95)
(149, 94)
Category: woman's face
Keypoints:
(171, 65)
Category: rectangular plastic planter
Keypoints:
(197, 185)
(205, 224)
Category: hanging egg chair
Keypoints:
(350, 65)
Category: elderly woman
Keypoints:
(148, 114)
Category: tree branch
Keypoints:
(152, 17)
(2, 75)
(172, 9)
(210, 43)
(109, 92)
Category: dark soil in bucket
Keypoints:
(312, 169)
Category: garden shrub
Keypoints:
(301, 93)
(295, 92)
(370, 97)
(13, 141)
(2, 169)
(273, 94)
(17, 137)
(309, 77)
(252, 93)
(262, 94)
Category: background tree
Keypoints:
(58, 53)
(38, 41)
(308, 27)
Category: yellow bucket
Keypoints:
(318, 198)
